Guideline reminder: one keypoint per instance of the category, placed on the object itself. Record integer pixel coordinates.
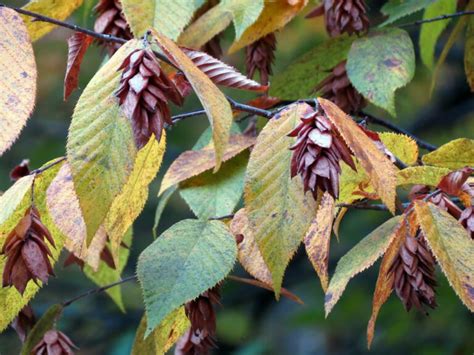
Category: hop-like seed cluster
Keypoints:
(317, 154)
(20, 170)
(144, 93)
(54, 342)
(27, 253)
(467, 220)
(200, 338)
(24, 322)
(338, 88)
(414, 273)
(260, 56)
(343, 16)
(110, 20)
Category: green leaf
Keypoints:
(167, 16)
(430, 32)
(469, 52)
(47, 322)
(397, 9)
(358, 259)
(278, 210)
(163, 201)
(453, 155)
(105, 275)
(186, 260)
(13, 197)
(452, 246)
(381, 63)
(100, 148)
(214, 195)
(11, 301)
(163, 337)
(244, 13)
(299, 79)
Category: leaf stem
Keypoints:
(48, 166)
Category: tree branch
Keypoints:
(46, 167)
(438, 18)
(378, 121)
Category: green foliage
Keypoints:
(163, 201)
(381, 63)
(431, 31)
(187, 259)
(396, 9)
(244, 13)
(13, 197)
(100, 147)
(469, 53)
(47, 321)
(301, 77)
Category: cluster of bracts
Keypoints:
(144, 93)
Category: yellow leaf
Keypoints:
(66, 213)
(453, 155)
(13, 197)
(452, 246)
(350, 181)
(358, 259)
(402, 146)
(212, 99)
(129, 204)
(318, 237)
(248, 253)
(275, 15)
(163, 337)
(57, 9)
(381, 171)
(18, 79)
(421, 175)
(195, 162)
(279, 213)
(100, 148)
(384, 285)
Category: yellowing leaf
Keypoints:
(278, 210)
(212, 99)
(128, 205)
(248, 253)
(66, 213)
(318, 237)
(358, 259)
(17, 79)
(275, 15)
(163, 337)
(195, 162)
(452, 247)
(380, 169)
(13, 197)
(384, 285)
(57, 9)
(421, 175)
(350, 182)
(402, 146)
(166, 16)
(100, 149)
(453, 155)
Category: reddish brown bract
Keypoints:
(338, 88)
(467, 220)
(20, 170)
(54, 343)
(317, 154)
(24, 321)
(260, 56)
(144, 93)
(27, 253)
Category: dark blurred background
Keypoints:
(250, 321)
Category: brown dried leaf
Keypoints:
(380, 169)
(66, 213)
(384, 285)
(317, 239)
(221, 73)
(18, 79)
(248, 253)
(78, 44)
(195, 162)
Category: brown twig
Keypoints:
(48, 166)
(437, 18)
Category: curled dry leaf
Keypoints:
(221, 73)
(453, 182)
(78, 44)
(18, 79)
(195, 162)
(317, 239)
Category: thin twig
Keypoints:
(98, 290)
(381, 122)
(249, 109)
(227, 216)
(437, 18)
(46, 167)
